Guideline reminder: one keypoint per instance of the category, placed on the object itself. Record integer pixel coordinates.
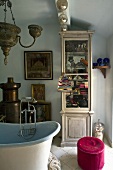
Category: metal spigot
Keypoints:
(25, 131)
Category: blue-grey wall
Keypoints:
(50, 40)
(109, 93)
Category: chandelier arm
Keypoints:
(34, 39)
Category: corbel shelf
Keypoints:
(102, 69)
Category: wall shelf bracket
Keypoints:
(102, 69)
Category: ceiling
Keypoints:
(83, 14)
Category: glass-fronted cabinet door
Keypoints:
(76, 67)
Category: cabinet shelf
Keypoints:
(102, 69)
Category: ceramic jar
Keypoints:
(99, 130)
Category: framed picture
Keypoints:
(43, 111)
(38, 65)
(74, 65)
(38, 91)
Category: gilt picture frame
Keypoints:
(38, 91)
(38, 65)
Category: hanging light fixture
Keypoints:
(63, 27)
(63, 18)
(9, 32)
(62, 5)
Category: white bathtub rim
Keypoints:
(29, 143)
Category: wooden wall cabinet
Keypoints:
(76, 105)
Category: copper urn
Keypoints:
(10, 105)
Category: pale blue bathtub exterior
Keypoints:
(35, 151)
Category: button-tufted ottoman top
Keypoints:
(90, 145)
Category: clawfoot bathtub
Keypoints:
(18, 153)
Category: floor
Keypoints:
(68, 155)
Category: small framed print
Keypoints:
(43, 111)
(74, 65)
(38, 91)
(38, 65)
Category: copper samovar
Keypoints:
(10, 105)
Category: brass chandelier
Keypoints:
(9, 32)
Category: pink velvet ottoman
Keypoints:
(90, 153)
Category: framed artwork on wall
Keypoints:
(38, 65)
(43, 111)
(38, 91)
